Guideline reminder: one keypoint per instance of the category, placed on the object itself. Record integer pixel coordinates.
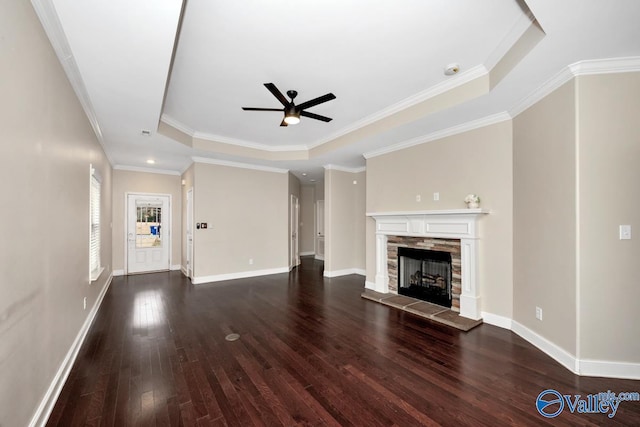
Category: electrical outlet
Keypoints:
(84, 303)
(538, 313)
(250, 261)
(436, 197)
(418, 198)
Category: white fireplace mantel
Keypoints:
(444, 224)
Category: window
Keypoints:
(94, 225)
(148, 225)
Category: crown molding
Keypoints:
(238, 165)
(45, 10)
(146, 170)
(176, 124)
(580, 68)
(605, 66)
(454, 130)
(445, 86)
(345, 169)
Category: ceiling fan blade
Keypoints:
(274, 90)
(315, 116)
(283, 123)
(261, 109)
(315, 101)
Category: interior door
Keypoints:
(147, 233)
(295, 221)
(190, 233)
(320, 230)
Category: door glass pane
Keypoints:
(148, 228)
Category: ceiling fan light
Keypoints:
(292, 119)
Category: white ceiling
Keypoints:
(194, 65)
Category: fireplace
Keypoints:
(455, 231)
(447, 250)
(425, 274)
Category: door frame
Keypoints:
(189, 228)
(126, 224)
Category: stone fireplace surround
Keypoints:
(455, 231)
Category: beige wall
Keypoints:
(307, 219)
(360, 220)
(142, 182)
(478, 161)
(319, 186)
(609, 195)
(344, 220)
(46, 147)
(247, 214)
(545, 217)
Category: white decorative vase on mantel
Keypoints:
(472, 201)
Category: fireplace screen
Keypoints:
(425, 275)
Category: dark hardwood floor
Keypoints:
(311, 352)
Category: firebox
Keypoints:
(425, 275)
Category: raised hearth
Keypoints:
(424, 309)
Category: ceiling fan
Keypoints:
(291, 111)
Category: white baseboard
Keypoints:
(496, 320)
(556, 352)
(583, 367)
(600, 368)
(118, 273)
(175, 267)
(319, 257)
(184, 270)
(307, 253)
(240, 275)
(345, 272)
(53, 392)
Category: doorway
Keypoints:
(294, 227)
(148, 237)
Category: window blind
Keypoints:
(94, 226)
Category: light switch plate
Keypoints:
(625, 232)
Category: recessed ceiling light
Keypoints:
(151, 161)
(312, 180)
(451, 69)
(304, 174)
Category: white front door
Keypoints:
(295, 220)
(147, 233)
